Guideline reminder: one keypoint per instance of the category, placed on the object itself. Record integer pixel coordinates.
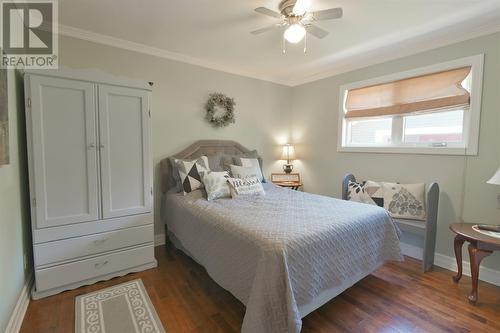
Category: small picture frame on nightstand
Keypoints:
(293, 178)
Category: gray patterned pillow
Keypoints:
(175, 174)
(189, 173)
(245, 186)
(215, 184)
(220, 162)
(405, 201)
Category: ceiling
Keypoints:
(215, 33)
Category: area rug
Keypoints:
(124, 308)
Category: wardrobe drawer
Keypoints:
(57, 251)
(65, 274)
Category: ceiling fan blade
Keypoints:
(316, 31)
(265, 29)
(268, 12)
(327, 14)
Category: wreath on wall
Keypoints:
(215, 103)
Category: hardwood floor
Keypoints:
(396, 298)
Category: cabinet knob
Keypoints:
(91, 146)
(101, 146)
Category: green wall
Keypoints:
(266, 113)
(464, 193)
(15, 242)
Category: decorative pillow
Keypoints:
(215, 184)
(252, 154)
(175, 174)
(189, 173)
(405, 201)
(243, 172)
(253, 162)
(220, 162)
(376, 191)
(245, 186)
(357, 192)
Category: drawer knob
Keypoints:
(99, 265)
(100, 241)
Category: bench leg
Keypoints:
(428, 252)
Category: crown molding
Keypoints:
(157, 52)
(483, 20)
(367, 55)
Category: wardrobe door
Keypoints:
(124, 128)
(62, 134)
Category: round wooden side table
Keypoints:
(480, 246)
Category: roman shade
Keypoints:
(425, 93)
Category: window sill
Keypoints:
(408, 150)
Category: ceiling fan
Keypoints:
(298, 20)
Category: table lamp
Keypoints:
(288, 155)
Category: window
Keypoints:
(432, 110)
(434, 128)
(370, 132)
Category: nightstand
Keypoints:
(288, 180)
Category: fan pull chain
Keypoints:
(284, 45)
(305, 44)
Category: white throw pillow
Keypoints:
(189, 173)
(250, 163)
(405, 201)
(245, 186)
(216, 184)
(356, 192)
(243, 172)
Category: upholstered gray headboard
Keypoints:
(197, 149)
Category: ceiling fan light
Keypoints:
(301, 7)
(294, 33)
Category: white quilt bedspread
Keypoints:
(279, 252)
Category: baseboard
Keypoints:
(411, 251)
(485, 274)
(16, 319)
(159, 239)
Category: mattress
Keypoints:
(282, 254)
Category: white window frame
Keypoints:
(471, 116)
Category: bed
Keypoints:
(284, 254)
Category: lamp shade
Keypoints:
(288, 153)
(495, 180)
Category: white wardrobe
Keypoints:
(90, 169)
